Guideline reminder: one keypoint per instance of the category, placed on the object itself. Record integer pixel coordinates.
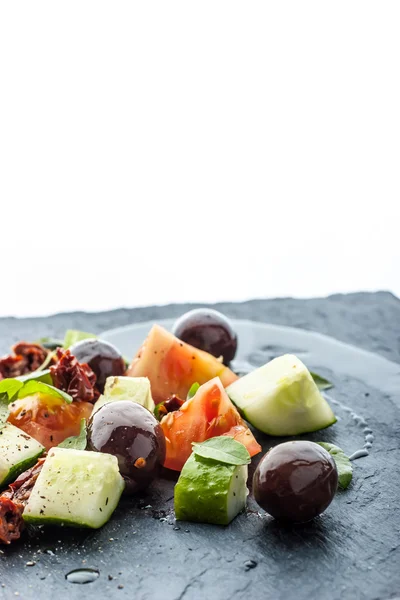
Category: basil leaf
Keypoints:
(73, 335)
(193, 389)
(21, 389)
(223, 449)
(34, 387)
(43, 376)
(10, 387)
(160, 411)
(322, 383)
(343, 464)
(76, 442)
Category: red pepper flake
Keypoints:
(140, 463)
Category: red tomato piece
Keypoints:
(48, 419)
(173, 366)
(208, 414)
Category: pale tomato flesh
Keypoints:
(208, 414)
(172, 366)
(48, 419)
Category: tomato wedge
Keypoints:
(173, 366)
(48, 419)
(208, 414)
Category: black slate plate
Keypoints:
(352, 551)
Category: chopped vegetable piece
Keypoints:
(13, 501)
(281, 398)
(77, 380)
(208, 414)
(48, 419)
(18, 452)
(136, 389)
(209, 491)
(172, 365)
(25, 358)
(75, 487)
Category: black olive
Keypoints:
(295, 481)
(102, 357)
(208, 330)
(132, 434)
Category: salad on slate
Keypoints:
(80, 426)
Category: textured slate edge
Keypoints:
(368, 320)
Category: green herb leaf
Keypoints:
(193, 389)
(10, 387)
(14, 388)
(43, 376)
(33, 387)
(223, 449)
(159, 414)
(73, 335)
(322, 383)
(76, 442)
(343, 464)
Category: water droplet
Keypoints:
(82, 575)
(176, 528)
(30, 563)
(359, 454)
(250, 564)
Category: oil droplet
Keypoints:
(250, 564)
(82, 575)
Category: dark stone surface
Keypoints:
(350, 552)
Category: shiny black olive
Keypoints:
(208, 330)
(132, 434)
(102, 357)
(295, 481)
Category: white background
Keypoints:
(176, 151)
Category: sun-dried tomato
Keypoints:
(21, 489)
(77, 379)
(11, 522)
(13, 502)
(173, 403)
(24, 358)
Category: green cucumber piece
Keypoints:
(209, 491)
(136, 389)
(76, 488)
(18, 452)
(281, 398)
